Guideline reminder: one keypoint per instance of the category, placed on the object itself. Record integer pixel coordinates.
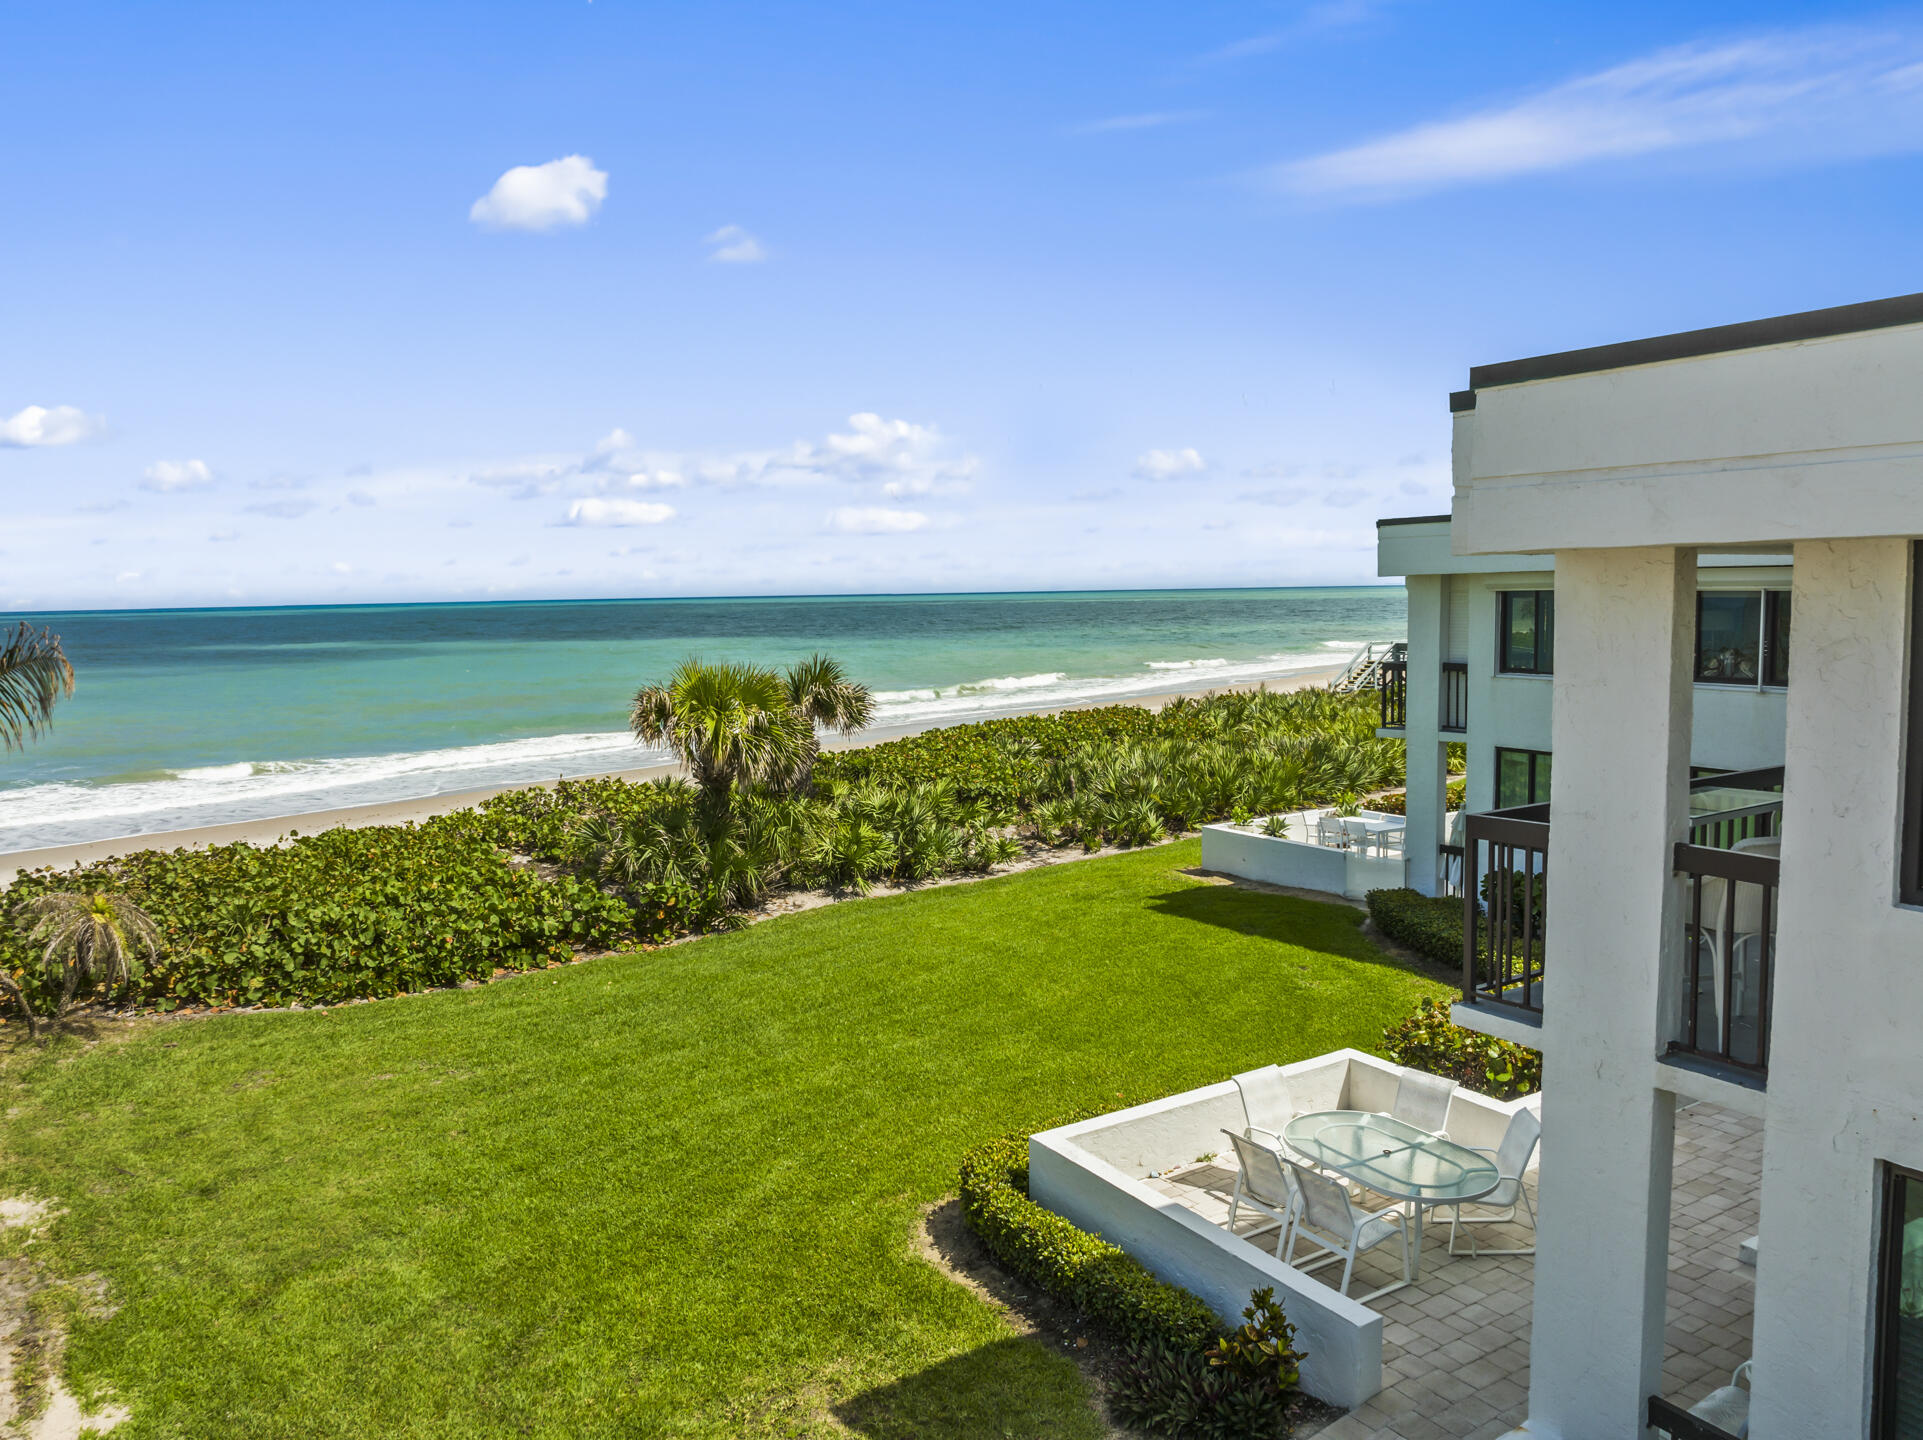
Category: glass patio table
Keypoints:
(1393, 1159)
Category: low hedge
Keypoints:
(1180, 1376)
(1430, 925)
(1083, 1270)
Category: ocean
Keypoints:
(182, 718)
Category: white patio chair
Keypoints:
(1267, 1104)
(1739, 945)
(1329, 832)
(1344, 1231)
(1262, 1182)
(1358, 832)
(1510, 1195)
(1727, 1406)
(1422, 1100)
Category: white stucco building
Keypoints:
(1682, 499)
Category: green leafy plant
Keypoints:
(1276, 826)
(93, 938)
(1430, 1040)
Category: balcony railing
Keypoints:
(1729, 955)
(1394, 693)
(1455, 696)
(1504, 902)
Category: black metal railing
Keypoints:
(1394, 693)
(1679, 1424)
(1449, 870)
(1725, 828)
(1729, 952)
(1455, 696)
(1505, 901)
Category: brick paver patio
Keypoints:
(1455, 1345)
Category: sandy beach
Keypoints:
(394, 812)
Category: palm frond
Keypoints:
(34, 673)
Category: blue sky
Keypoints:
(363, 302)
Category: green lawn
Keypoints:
(663, 1194)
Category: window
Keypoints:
(1742, 637)
(1729, 638)
(1898, 1396)
(1522, 778)
(1527, 644)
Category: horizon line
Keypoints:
(683, 599)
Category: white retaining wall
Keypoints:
(1298, 861)
(1092, 1173)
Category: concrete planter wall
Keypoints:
(1296, 859)
(1092, 1173)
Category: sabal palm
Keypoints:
(738, 726)
(96, 938)
(34, 673)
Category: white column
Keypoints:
(1625, 626)
(1427, 770)
(1845, 1064)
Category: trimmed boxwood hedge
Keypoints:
(1430, 925)
(1180, 1375)
(1083, 1270)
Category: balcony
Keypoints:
(1393, 691)
(1729, 869)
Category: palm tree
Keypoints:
(33, 674)
(97, 939)
(738, 726)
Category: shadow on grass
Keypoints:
(1319, 925)
(1005, 1388)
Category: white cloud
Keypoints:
(908, 459)
(341, 567)
(1167, 464)
(735, 246)
(168, 475)
(875, 520)
(540, 197)
(1810, 94)
(39, 425)
(1154, 120)
(602, 513)
(281, 509)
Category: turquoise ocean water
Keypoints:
(197, 717)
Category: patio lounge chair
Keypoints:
(1267, 1104)
(1510, 1195)
(1323, 1208)
(1422, 1100)
(1262, 1183)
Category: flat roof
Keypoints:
(1413, 520)
(1685, 344)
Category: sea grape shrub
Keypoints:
(346, 914)
(1429, 1040)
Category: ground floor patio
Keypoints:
(1455, 1345)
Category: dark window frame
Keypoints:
(1909, 880)
(1888, 1297)
(1775, 663)
(1545, 603)
(1537, 785)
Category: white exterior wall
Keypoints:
(1816, 445)
(1846, 1065)
(1735, 727)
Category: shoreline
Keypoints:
(274, 829)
